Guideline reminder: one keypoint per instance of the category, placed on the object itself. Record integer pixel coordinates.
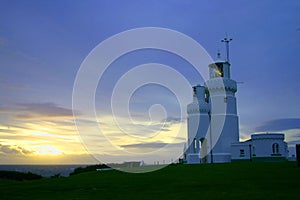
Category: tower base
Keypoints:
(221, 157)
(193, 158)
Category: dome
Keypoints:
(219, 61)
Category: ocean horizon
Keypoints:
(43, 169)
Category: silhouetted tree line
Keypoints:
(19, 176)
(88, 168)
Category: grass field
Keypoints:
(212, 181)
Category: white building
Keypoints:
(261, 147)
(213, 127)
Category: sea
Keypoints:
(43, 170)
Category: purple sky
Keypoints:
(43, 43)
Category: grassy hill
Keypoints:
(216, 181)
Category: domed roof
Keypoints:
(219, 60)
(267, 136)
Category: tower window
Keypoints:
(219, 70)
(275, 148)
(206, 96)
(194, 145)
(194, 91)
(225, 99)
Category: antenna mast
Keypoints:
(226, 40)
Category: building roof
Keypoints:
(267, 136)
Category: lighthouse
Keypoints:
(212, 116)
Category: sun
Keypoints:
(47, 150)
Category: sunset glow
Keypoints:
(44, 43)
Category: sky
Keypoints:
(44, 43)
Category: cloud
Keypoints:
(293, 143)
(15, 150)
(279, 125)
(10, 51)
(36, 111)
(2, 130)
(173, 120)
(9, 85)
(142, 128)
(154, 145)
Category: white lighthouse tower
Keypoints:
(212, 116)
(198, 126)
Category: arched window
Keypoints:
(275, 148)
(203, 150)
(194, 145)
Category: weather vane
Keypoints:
(226, 40)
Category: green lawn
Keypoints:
(216, 181)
